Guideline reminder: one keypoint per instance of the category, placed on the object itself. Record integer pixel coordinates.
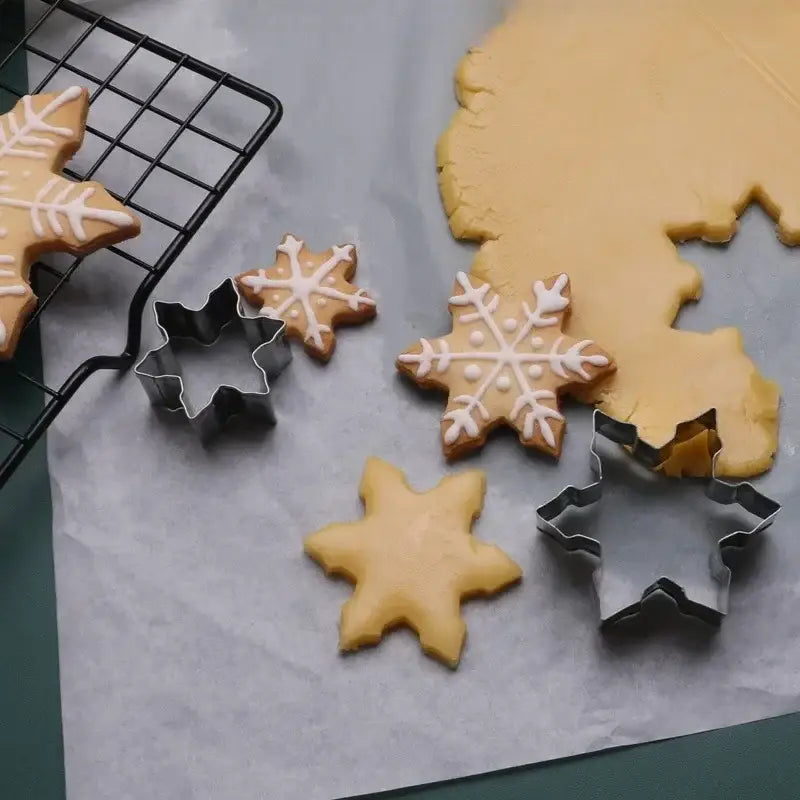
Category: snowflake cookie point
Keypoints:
(505, 362)
(314, 290)
(40, 211)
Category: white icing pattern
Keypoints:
(302, 288)
(510, 365)
(13, 290)
(58, 207)
(20, 141)
(53, 204)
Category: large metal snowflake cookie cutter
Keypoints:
(160, 374)
(745, 495)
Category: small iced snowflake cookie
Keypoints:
(506, 361)
(39, 210)
(309, 292)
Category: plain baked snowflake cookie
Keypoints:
(506, 361)
(413, 559)
(310, 292)
(40, 211)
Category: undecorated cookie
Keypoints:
(413, 559)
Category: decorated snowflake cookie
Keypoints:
(41, 211)
(309, 292)
(505, 361)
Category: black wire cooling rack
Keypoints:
(47, 279)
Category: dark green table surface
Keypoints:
(747, 762)
(760, 760)
(31, 749)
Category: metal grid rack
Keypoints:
(48, 280)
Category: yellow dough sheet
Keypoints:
(591, 138)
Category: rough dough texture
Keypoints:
(413, 559)
(505, 362)
(595, 134)
(41, 211)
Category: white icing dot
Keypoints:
(330, 279)
(276, 297)
(294, 313)
(472, 372)
(280, 270)
(503, 383)
(509, 324)
(3, 233)
(535, 371)
(536, 342)
(26, 173)
(322, 302)
(476, 338)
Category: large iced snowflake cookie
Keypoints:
(506, 361)
(40, 211)
(310, 292)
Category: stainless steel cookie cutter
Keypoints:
(719, 491)
(160, 374)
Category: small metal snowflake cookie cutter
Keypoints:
(160, 374)
(744, 494)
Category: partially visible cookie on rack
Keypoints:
(40, 211)
(310, 292)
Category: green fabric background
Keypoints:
(760, 760)
(31, 748)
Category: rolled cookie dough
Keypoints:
(592, 136)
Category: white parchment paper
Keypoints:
(198, 644)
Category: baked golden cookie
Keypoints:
(595, 135)
(39, 210)
(506, 361)
(310, 292)
(413, 559)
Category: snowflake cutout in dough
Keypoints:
(505, 362)
(309, 292)
(41, 211)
